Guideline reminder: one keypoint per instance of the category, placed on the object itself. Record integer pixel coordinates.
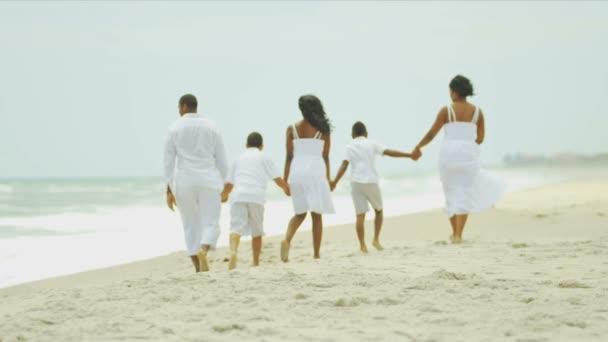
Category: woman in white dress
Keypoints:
(307, 171)
(467, 188)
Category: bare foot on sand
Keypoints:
(232, 261)
(363, 249)
(284, 250)
(202, 261)
(377, 245)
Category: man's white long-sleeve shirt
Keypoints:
(195, 146)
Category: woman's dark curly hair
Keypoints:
(312, 110)
(462, 86)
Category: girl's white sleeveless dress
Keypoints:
(307, 178)
(467, 187)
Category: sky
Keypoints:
(88, 89)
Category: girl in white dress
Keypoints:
(467, 188)
(307, 171)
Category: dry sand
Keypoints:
(534, 269)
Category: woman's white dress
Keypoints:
(307, 176)
(467, 187)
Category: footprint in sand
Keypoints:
(321, 285)
(572, 284)
(541, 216)
(519, 245)
(342, 302)
(301, 296)
(228, 328)
(581, 325)
(388, 301)
(601, 214)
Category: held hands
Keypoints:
(416, 153)
(286, 190)
(332, 185)
(224, 196)
(171, 200)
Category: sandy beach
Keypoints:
(533, 269)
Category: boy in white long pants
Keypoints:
(248, 177)
(195, 169)
(362, 153)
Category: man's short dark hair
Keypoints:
(189, 100)
(359, 129)
(255, 140)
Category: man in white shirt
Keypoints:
(362, 153)
(248, 178)
(195, 169)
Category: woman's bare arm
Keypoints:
(326, 147)
(437, 125)
(289, 154)
(341, 172)
(481, 128)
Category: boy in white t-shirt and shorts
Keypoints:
(247, 180)
(362, 153)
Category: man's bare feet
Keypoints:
(202, 261)
(457, 240)
(377, 245)
(284, 250)
(232, 261)
(363, 249)
(452, 237)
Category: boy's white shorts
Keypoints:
(362, 193)
(247, 219)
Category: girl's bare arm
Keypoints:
(326, 148)
(289, 154)
(481, 128)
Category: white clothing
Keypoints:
(250, 175)
(467, 188)
(361, 155)
(196, 145)
(199, 206)
(307, 176)
(362, 193)
(247, 219)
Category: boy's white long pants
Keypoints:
(199, 206)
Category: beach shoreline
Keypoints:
(533, 268)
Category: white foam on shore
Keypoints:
(86, 241)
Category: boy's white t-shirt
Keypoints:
(361, 153)
(250, 174)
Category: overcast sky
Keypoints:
(89, 88)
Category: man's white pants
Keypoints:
(199, 207)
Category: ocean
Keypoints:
(61, 226)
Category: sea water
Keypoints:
(60, 226)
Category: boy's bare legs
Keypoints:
(453, 224)
(360, 226)
(203, 265)
(256, 247)
(317, 233)
(235, 239)
(194, 259)
(377, 227)
(293, 226)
